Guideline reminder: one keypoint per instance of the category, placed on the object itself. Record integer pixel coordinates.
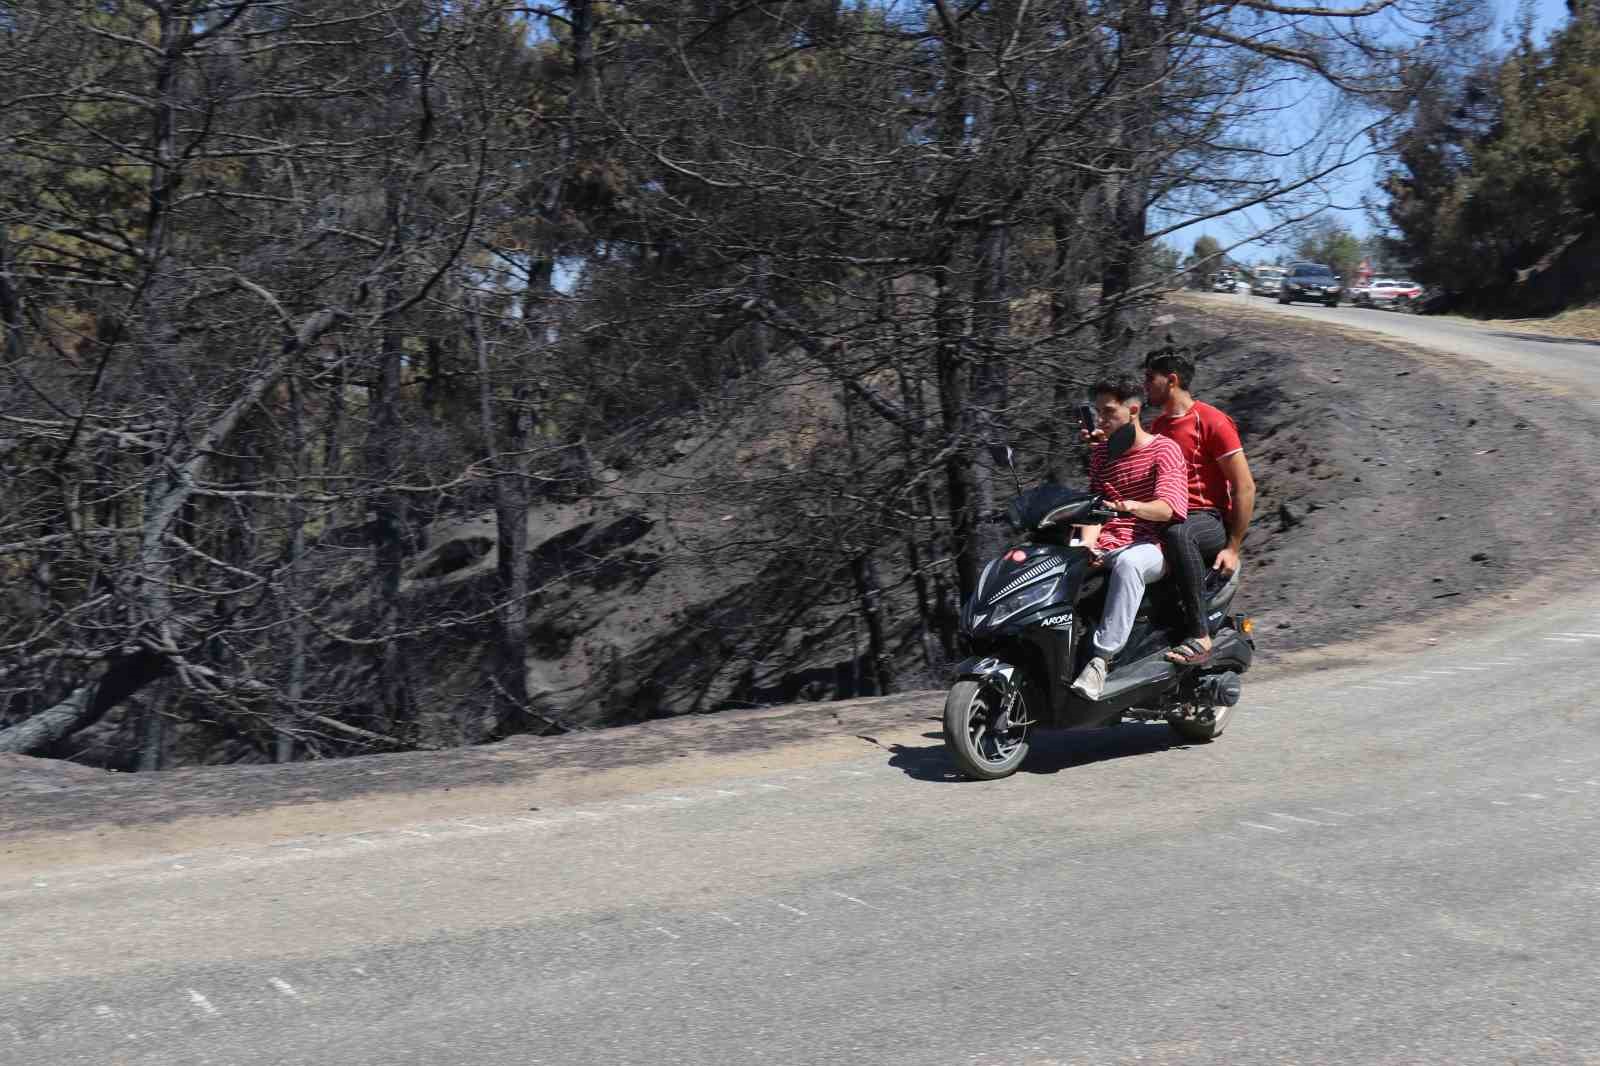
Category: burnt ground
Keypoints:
(1396, 486)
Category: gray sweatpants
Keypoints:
(1132, 569)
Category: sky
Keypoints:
(1356, 181)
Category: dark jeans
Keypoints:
(1191, 545)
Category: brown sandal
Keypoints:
(1190, 653)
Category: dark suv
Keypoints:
(1309, 281)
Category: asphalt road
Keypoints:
(1569, 362)
(1386, 860)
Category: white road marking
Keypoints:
(104, 1011)
(1293, 818)
(41, 884)
(1563, 640)
(852, 899)
(200, 1001)
(1475, 669)
(358, 970)
(362, 840)
(534, 821)
(1500, 803)
(1268, 828)
(774, 788)
(792, 910)
(1584, 636)
(726, 792)
(1531, 795)
(667, 932)
(725, 918)
(1325, 810)
(472, 825)
(1574, 791)
(285, 987)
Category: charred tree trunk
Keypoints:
(387, 523)
(11, 338)
(333, 432)
(961, 478)
(153, 738)
(870, 594)
(869, 591)
(991, 321)
(511, 526)
(952, 361)
(912, 440)
(1065, 314)
(1127, 188)
(283, 743)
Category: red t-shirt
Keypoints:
(1205, 435)
(1154, 472)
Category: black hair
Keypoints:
(1171, 361)
(1124, 387)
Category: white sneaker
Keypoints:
(1092, 681)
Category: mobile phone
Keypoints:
(1086, 417)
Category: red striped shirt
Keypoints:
(1155, 472)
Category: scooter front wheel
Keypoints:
(987, 739)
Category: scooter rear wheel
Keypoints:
(1202, 730)
(984, 748)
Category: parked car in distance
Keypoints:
(1267, 280)
(1310, 281)
(1391, 293)
(1357, 294)
(1224, 281)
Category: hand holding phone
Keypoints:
(1088, 424)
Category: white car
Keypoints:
(1389, 292)
(1266, 281)
(1358, 293)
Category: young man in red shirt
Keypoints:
(1222, 494)
(1148, 485)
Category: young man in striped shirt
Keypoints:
(1149, 486)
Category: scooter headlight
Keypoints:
(1023, 599)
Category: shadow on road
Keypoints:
(1544, 338)
(1049, 753)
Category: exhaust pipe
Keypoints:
(1219, 690)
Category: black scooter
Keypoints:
(1026, 628)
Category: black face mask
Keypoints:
(1118, 443)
